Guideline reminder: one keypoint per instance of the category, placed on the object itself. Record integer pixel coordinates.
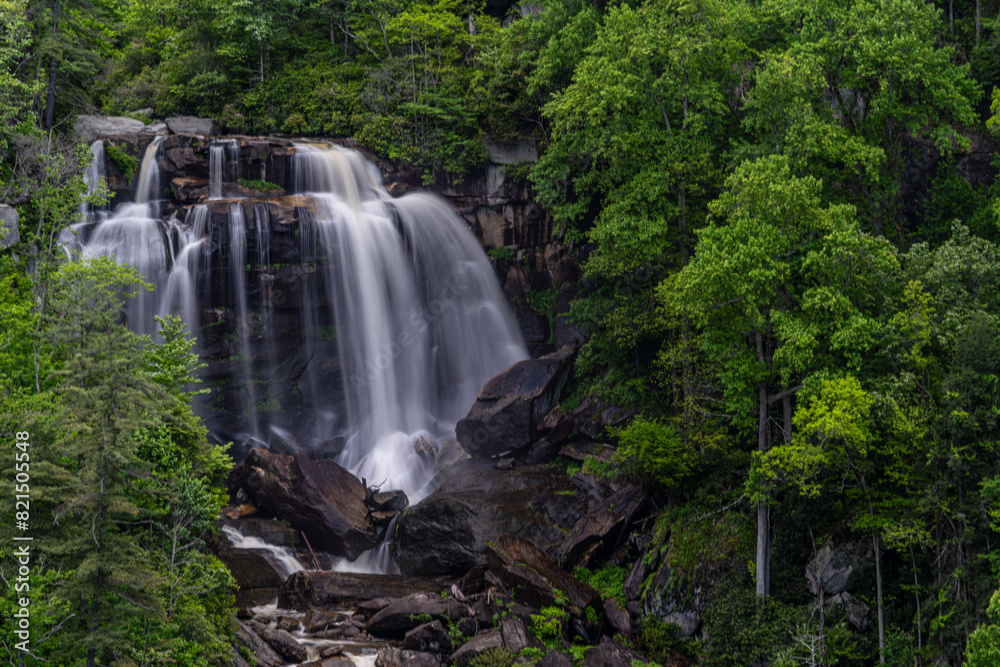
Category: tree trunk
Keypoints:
(763, 510)
(951, 18)
(878, 598)
(50, 103)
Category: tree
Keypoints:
(779, 287)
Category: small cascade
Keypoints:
(373, 561)
(181, 293)
(223, 166)
(133, 236)
(216, 163)
(94, 176)
(281, 558)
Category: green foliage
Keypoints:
(984, 643)
(548, 624)
(503, 252)
(258, 186)
(651, 453)
(607, 581)
(659, 641)
(128, 165)
(493, 657)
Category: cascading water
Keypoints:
(223, 166)
(396, 323)
(420, 318)
(282, 559)
(133, 236)
(239, 299)
(180, 295)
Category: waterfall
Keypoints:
(239, 299)
(180, 295)
(282, 559)
(421, 322)
(133, 236)
(388, 326)
(216, 163)
(223, 166)
(94, 176)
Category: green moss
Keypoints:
(503, 252)
(127, 164)
(492, 657)
(259, 186)
(609, 582)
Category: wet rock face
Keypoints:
(448, 532)
(511, 405)
(368, 593)
(317, 497)
(536, 581)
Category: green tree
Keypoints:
(779, 287)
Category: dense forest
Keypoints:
(786, 219)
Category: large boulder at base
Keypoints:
(511, 405)
(346, 590)
(612, 654)
(447, 533)
(556, 659)
(88, 128)
(9, 231)
(262, 653)
(191, 125)
(422, 660)
(317, 497)
(404, 615)
(482, 642)
(535, 580)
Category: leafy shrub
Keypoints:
(125, 162)
(548, 625)
(650, 452)
(503, 252)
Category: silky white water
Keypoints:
(421, 321)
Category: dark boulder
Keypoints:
(612, 515)
(535, 580)
(618, 618)
(345, 590)
(318, 620)
(835, 567)
(422, 660)
(189, 190)
(404, 615)
(447, 533)
(612, 654)
(262, 653)
(479, 644)
(556, 659)
(431, 637)
(317, 497)
(515, 635)
(388, 501)
(511, 405)
(284, 644)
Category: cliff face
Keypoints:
(264, 332)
